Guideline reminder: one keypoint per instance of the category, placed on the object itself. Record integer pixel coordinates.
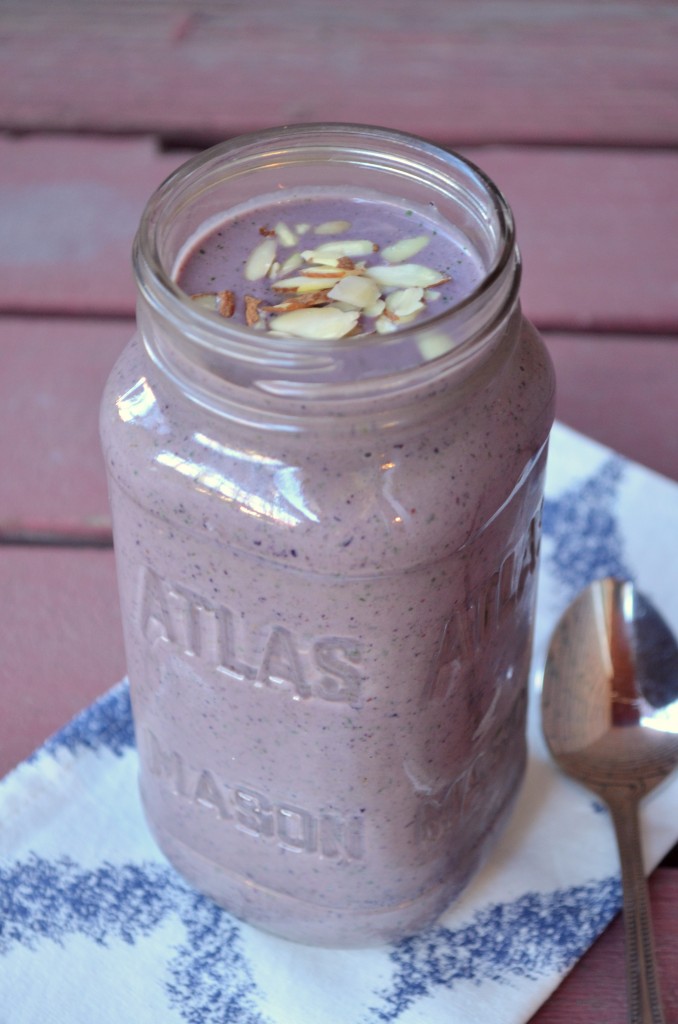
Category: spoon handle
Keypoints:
(641, 968)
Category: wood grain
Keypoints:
(61, 641)
(504, 71)
(69, 210)
(598, 231)
(621, 391)
(51, 379)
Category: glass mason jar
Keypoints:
(327, 557)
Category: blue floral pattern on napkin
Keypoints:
(535, 935)
(208, 978)
(582, 523)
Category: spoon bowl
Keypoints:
(610, 720)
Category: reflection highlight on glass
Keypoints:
(136, 402)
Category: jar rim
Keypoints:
(213, 336)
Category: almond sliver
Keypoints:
(376, 309)
(405, 249)
(346, 247)
(222, 302)
(260, 259)
(359, 291)
(405, 275)
(321, 324)
(301, 283)
(207, 300)
(434, 344)
(252, 310)
(312, 256)
(226, 304)
(292, 262)
(285, 235)
(384, 326)
(405, 302)
(332, 227)
(298, 300)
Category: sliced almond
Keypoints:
(317, 323)
(312, 256)
(405, 302)
(292, 262)
(406, 275)
(260, 259)
(332, 227)
(319, 275)
(298, 301)
(222, 303)
(405, 249)
(285, 235)
(207, 300)
(346, 247)
(434, 344)
(252, 310)
(383, 325)
(226, 303)
(306, 283)
(315, 259)
(359, 291)
(376, 309)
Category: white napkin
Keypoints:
(96, 927)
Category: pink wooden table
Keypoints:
(571, 107)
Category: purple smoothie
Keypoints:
(300, 245)
(328, 593)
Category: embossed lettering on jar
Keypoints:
(327, 551)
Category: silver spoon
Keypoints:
(610, 720)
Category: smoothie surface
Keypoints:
(327, 266)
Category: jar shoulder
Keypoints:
(353, 494)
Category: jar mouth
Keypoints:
(378, 160)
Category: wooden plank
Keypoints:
(69, 210)
(595, 991)
(52, 373)
(598, 229)
(622, 392)
(60, 641)
(509, 70)
(598, 232)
